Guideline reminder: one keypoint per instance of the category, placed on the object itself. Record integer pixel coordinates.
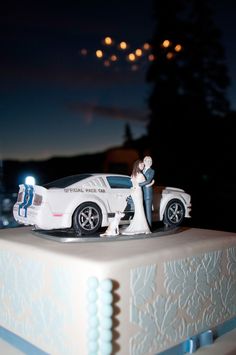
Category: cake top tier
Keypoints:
(186, 242)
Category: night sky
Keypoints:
(54, 101)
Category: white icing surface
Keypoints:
(185, 281)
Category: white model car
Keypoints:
(87, 202)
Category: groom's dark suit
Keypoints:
(148, 193)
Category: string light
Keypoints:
(141, 55)
(169, 55)
(123, 45)
(84, 51)
(131, 57)
(146, 46)
(107, 63)
(108, 41)
(178, 48)
(151, 57)
(99, 53)
(113, 58)
(166, 43)
(138, 52)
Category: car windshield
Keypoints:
(66, 181)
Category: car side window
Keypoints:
(119, 182)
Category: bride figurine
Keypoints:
(138, 224)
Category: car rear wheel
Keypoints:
(87, 218)
(174, 213)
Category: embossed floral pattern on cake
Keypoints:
(27, 310)
(199, 293)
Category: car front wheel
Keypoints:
(87, 218)
(174, 213)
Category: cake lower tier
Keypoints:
(137, 297)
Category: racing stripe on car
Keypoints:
(28, 199)
(21, 205)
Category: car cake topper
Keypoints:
(87, 202)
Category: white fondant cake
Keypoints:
(132, 297)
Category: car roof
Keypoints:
(72, 179)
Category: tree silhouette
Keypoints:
(128, 137)
(189, 78)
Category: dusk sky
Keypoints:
(57, 102)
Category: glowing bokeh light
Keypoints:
(151, 57)
(84, 51)
(108, 41)
(146, 46)
(169, 55)
(131, 57)
(99, 53)
(142, 54)
(166, 43)
(113, 58)
(123, 45)
(106, 63)
(178, 48)
(138, 52)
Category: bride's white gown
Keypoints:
(138, 224)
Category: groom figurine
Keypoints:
(148, 172)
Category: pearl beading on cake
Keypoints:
(100, 311)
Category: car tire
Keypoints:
(174, 213)
(87, 218)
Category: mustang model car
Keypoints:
(87, 202)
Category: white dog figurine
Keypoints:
(113, 228)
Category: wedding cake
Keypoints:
(139, 296)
